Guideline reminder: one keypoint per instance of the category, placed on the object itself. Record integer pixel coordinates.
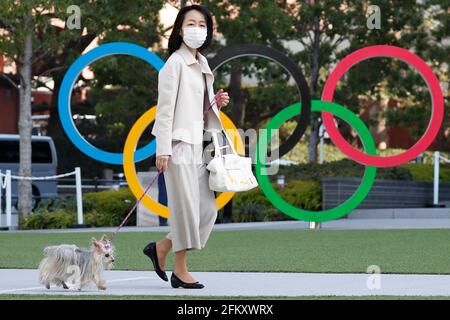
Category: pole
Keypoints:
(321, 145)
(1, 205)
(79, 195)
(313, 225)
(1, 195)
(321, 150)
(8, 198)
(437, 158)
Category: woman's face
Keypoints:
(193, 18)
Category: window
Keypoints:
(40, 152)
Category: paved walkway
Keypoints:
(342, 224)
(15, 281)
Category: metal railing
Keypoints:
(5, 183)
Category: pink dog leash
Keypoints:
(214, 101)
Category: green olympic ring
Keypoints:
(306, 215)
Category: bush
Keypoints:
(303, 194)
(49, 220)
(67, 203)
(345, 167)
(253, 205)
(108, 208)
(250, 206)
(421, 172)
(101, 209)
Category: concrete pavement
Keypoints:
(25, 281)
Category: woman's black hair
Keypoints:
(175, 38)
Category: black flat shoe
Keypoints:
(150, 251)
(177, 282)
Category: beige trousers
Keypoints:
(191, 203)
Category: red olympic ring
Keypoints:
(437, 113)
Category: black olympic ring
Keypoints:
(242, 50)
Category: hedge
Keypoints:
(345, 167)
(253, 205)
(426, 172)
(101, 209)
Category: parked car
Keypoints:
(44, 163)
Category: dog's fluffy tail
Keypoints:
(64, 251)
(57, 260)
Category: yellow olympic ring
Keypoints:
(130, 170)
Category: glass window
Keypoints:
(40, 152)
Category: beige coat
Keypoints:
(179, 112)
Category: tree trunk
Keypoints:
(235, 92)
(313, 140)
(25, 127)
(315, 68)
(54, 127)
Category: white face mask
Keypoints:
(194, 37)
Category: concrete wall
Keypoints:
(384, 193)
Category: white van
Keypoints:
(44, 163)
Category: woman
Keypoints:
(179, 127)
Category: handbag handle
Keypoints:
(216, 144)
(229, 142)
(217, 152)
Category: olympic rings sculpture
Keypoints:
(301, 111)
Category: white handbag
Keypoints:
(229, 172)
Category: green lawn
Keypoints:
(341, 251)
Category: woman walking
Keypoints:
(185, 84)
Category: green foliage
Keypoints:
(57, 219)
(101, 209)
(67, 203)
(253, 205)
(341, 168)
(254, 196)
(303, 194)
(426, 172)
(133, 81)
(324, 28)
(108, 208)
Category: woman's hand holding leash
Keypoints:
(222, 98)
(161, 162)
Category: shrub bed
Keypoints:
(101, 209)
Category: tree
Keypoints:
(328, 30)
(32, 39)
(26, 35)
(264, 22)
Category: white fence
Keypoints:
(5, 183)
(437, 161)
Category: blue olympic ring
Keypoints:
(65, 92)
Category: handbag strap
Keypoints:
(217, 152)
(229, 142)
(216, 144)
(206, 95)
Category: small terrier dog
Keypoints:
(67, 262)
